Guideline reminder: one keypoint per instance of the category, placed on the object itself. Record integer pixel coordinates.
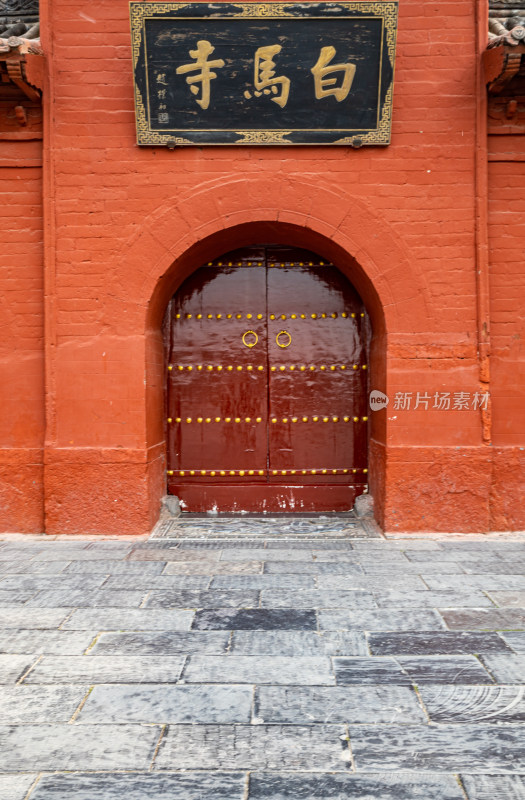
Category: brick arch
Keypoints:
(220, 216)
(212, 220)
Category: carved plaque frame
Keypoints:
(187, 97)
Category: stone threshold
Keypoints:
(291, 527)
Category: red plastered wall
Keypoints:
(22, 324)
(129, 223)
(507, 257)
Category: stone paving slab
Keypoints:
(161, 644)
(47, 641)
(106, 669)
(301, 705)
(285, 582)
(10, 598)
(213, 568)
(490, 787)
(378, 786)
(70, 747)
(291, 747)
(487, 582)
(143, 786)
(69, 553)
(488, 545)
(33, 704)
(454, 748)
(114, 567)
(479, 554)
(435, 643)
(405, 671)
(432, 599)
(15, 787)
(12, 667)
(88, 598)
(515, 640)
(108, 619)
(381, 620)
(28, 567)
(39, 583)
(485, 619)
(259, 669)
(158, 582)
(444, 669)
(51, 553)
(261, 619)
(150, 553)
(240, 554)
(327, 556)
(317, 543)
(493, 704)
(298, 643)
(312, 568)
(212, 599)
(277, 598)
(31, 545)
(168, 704)
(505, 668)
(206, 556)
(33, 618)
(508, 598)
(395, 580)
(497, 567)
(431, 566)
(375, 555)
(410, 542)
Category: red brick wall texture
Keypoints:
(125, 225)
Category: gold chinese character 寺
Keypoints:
(263, 78)
(324, 86)
(204, 71)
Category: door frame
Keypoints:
(309, 495)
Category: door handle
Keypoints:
(251, 343)
(279, 336)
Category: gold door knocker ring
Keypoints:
(283, 333)
(249, 344)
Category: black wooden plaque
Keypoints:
(263, 73)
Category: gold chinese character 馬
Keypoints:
(325, 86)
(263, 78)
(204, 68)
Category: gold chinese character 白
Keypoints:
(324, 86)
(204, 71)
(263, 76)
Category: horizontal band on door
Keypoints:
(251, 472)
(263, 262)
(274, 420)
(314, 315)
(260, 367)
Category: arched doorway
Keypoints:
(267, 385)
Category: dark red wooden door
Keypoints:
(267, 385)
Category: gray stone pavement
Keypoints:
(267, 668)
